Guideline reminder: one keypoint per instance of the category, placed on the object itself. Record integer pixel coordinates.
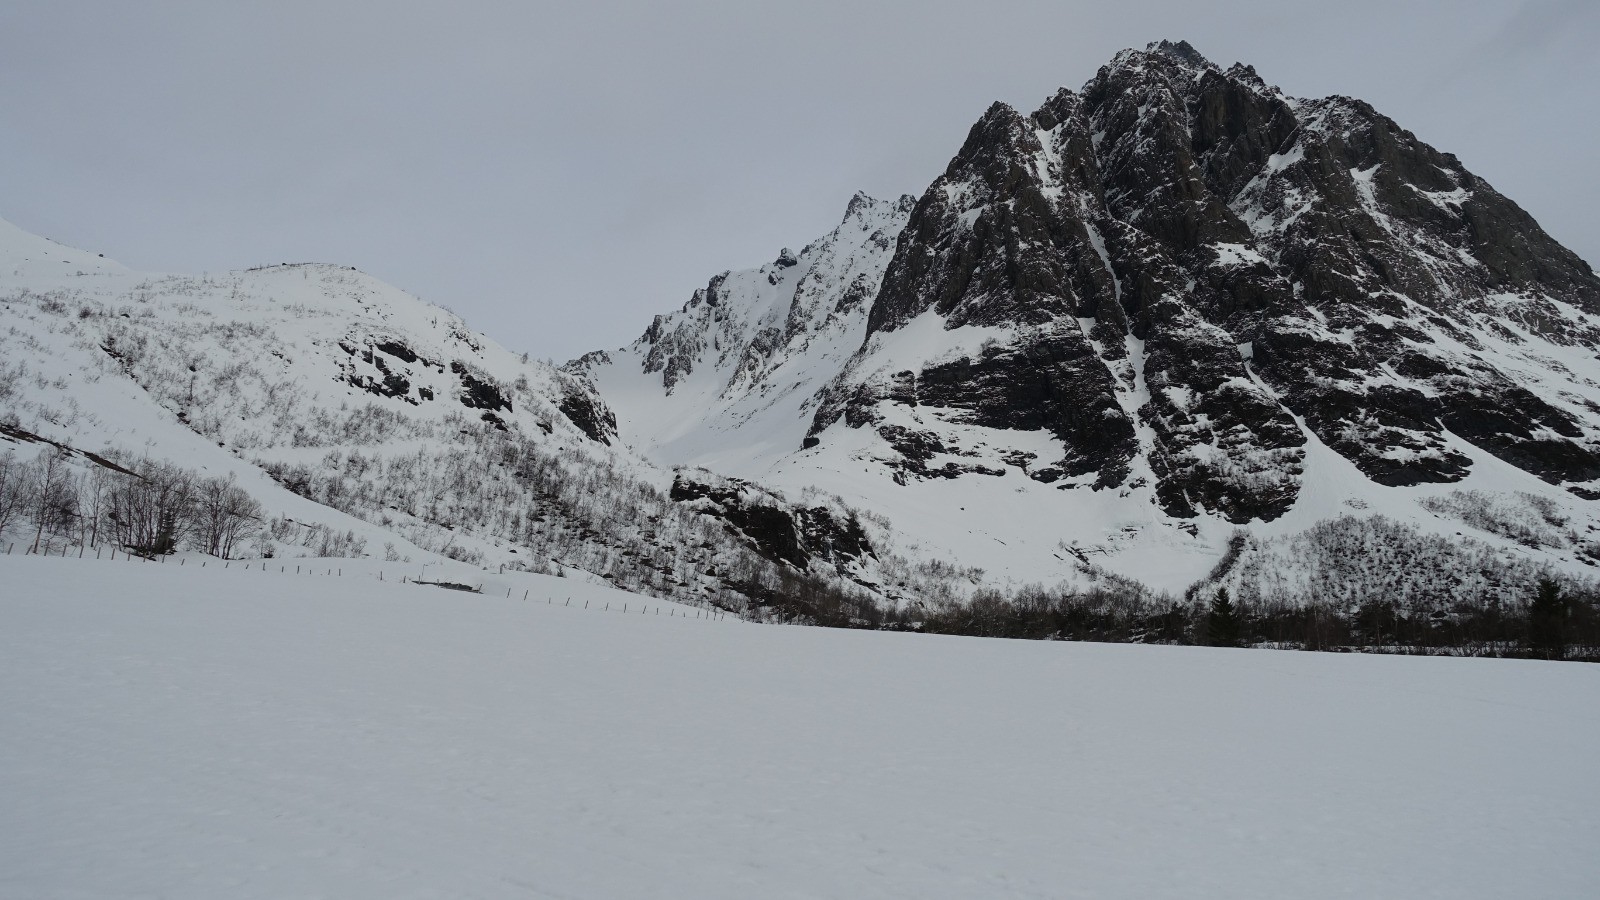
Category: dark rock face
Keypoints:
(673, 351)
(397, 350)
(478, 391)
(392, 384)
(1054, 382)
(917, 449)
(782, 534)
(1183, 262)
(586, 411)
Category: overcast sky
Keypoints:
(557, 173)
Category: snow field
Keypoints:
(437, 572)
(184, 732)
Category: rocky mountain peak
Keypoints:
(999, 130)
(865, 210)
(1175, 283)
(1198, 211)
(1181, 51)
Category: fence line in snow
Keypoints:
(109, 553)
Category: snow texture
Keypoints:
(184, 733)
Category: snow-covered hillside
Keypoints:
(1169, 307)
(178, 732)
(350, 408)
(729, 382)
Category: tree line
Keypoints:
(152, 507)
(1553, 620)
(148, 507)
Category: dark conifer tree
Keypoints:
(1547, 621)
(1222, 624)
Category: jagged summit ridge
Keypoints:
(1182, 51)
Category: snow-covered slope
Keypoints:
(730, 381)
(347, 406)
(1172, 305)
(29, 257)
(207, 733)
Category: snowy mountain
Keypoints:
(745, 357)
(311, 590)
(1173, 331)
(1163, 327)
(368, 422)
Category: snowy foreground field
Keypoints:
(205, 733)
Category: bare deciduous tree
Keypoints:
(225, 516)
(51, 502)
(13, 497)
(153, 512)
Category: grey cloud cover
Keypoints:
(559, 172)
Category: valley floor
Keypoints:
(182, 732)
